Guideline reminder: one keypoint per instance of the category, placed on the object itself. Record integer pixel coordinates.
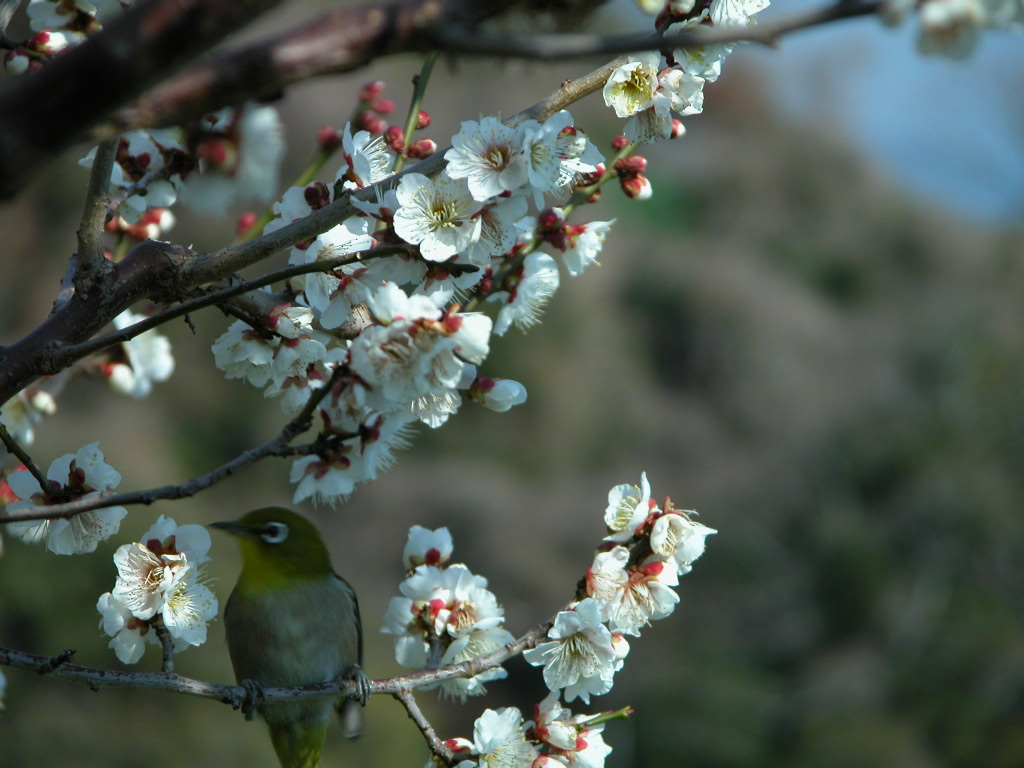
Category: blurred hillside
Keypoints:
(829, 372)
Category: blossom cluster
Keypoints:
(73, 476)
(230, 156)
(648, 90)
(445, 614)
(388, 328)
(160, 578)
(953, 27)
(629, 584)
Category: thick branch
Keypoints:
(56, 106)
(89, 262)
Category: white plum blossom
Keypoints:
(568, 738)
(472, 644)
(680, 538)
(21, 412)
(426, 547)
(351, 236)
(416, 353)
(128, 632)
(247, 146)
(438, 215)
(498, 230)
(645, 595)
(81, 475)
(367, 159)
(330, 475)
(585, 244)
(499, 741)
(498, 395)
(489, 155)
(632, 86)
(628, 507)
(579, 658)
(162, 575)
(526, 292)
(556, 154)
(149, 359)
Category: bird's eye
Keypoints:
(274, 533)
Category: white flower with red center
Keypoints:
(469, 645)
(148, 356)
(680, 538)
(240, 152)
(416, 353)
(567, 737)
(403, 620)
(297, 350)
(367, 159)
(646, 595)
(351, 236)
(444, 281)
(489, 155)
(129, 633)
(452, 601)
(498, 230)
(607, 575)
(579, 657)
(557, 153)
(526, 292)
(330, 475)
(351, 290)
(498, 395)
(242, 352)
(81, 475)
(499, 741)
(427, 547)
(381, 435)
(297, 203)
(585, 242)
(628, 507)
(439, 215)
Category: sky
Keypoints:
(951, 130)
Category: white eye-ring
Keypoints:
(274, 533)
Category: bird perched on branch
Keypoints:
(290, 621)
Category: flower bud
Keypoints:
(422, 149)
(422, 120)
(328, 138)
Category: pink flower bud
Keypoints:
(383, 106)
(422, 149)
(245, 222)
(371, 91)
(395, 137)
(422, 120)
(328, 138)
(619, 143)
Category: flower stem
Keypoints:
(418, 92)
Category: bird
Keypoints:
(291, 620)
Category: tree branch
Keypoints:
(405, 696)
(291, 430)
(56, 106)
(89, 258)
(235, 695)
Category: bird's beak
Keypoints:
(231, 526)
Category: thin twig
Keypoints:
(220, 296)
(166, 644)
(452, 39)
(235, 695)
(405, 696)
(13, 447)
(291, 430)
(160, 174)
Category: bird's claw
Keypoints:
(254, 696)
(356, 675)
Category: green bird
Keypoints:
(291, 620)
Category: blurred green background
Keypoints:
(827, 369)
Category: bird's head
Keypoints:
(278, 545)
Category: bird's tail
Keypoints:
(297, 746)
(350, 711)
